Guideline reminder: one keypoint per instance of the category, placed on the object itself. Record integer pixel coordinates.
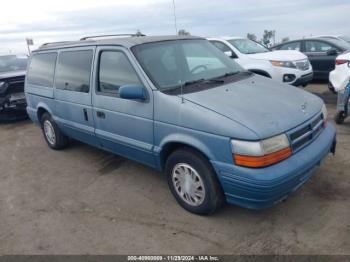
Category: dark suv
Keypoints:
(12, 98)
(321, 51)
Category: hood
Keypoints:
(266, 107)
(279, 55)
(12, 74)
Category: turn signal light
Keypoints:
(262, 161)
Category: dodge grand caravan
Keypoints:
(180, 105)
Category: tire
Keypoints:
(54, 138)
(202, 173)
(339, 117)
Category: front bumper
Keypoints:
(301, 77)
(264, 187)
(12, 108)
(304, 80)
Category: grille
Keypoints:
(16, 84)
(306, 133)
(302, 65)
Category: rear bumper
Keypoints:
(304, 80)
(264, 187)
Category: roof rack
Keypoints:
(56, 43)
(117, 35)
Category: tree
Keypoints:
(252, 37)
(267, 36)
(183, 32)
(285, 39)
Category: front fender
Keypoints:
(214, 147)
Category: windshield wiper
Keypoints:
(202, 80)
(225, 75)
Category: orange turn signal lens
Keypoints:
(262, 161)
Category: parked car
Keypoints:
(180, 105)
(291, 67)
(322, 53)
(12, 98)
(338, 37)
(342, 63)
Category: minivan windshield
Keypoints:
(246, 46)
(10, 63)
(171, 64)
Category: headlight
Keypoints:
(324, 112)
(288, 64)
(261, 153)
(3, 87)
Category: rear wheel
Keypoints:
(52, 134)
(193, 182)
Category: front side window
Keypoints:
(317, 47)
(247, 46)
(10, 63)
(221, 46)
(115, 71)
(171, 64)
(291, 46)
(41, 69)
(73, 71)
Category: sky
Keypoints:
(60, 20)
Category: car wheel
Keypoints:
(193, 182)
(52, 134)
(339, 117)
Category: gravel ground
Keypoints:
(85, 201)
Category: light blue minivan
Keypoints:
(180, 105)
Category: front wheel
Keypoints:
(52, 134)
(193, 182)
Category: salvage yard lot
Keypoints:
(85, 201)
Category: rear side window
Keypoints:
(115, 71)
(42, 69)
(317, 46)
(73, 71)
(291, 46)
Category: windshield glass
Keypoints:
(339, 43)
(10, 63)
(246, 46)
(171, 64)
(345, 38)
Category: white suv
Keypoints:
(288, 66)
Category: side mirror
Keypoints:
(132, 92)
(230, 54)
(332, 52)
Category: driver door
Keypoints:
(123, 126)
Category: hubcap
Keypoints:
(188, 184)
(49, 132)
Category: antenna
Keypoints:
(175, 22)
(176, 32)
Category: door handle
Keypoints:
(101, 114)
(86, 117)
